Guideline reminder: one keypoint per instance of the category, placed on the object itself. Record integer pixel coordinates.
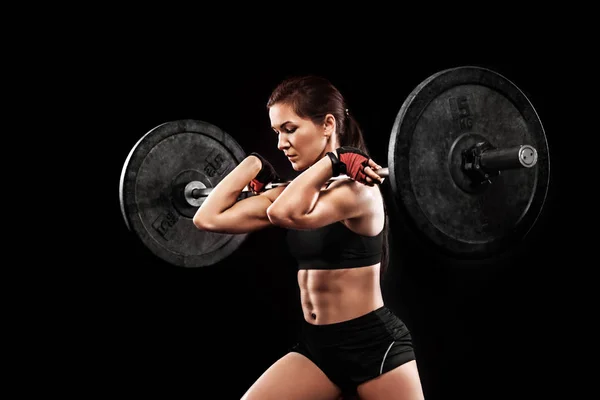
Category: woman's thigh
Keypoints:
(401, 383)
(293, 377)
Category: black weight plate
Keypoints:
(152, 185)
(447, 113)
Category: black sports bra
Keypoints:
(333, 246)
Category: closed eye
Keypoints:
(286, 130)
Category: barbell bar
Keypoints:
(490, 161)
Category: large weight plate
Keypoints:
(446, 113)
(153, 180)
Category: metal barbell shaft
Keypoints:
(522, 156)
(197, 193)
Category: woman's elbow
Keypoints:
(202, 222)
(276, 216)
(279, 217)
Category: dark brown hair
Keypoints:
(314, 97)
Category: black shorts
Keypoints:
(355, 351)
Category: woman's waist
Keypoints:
(327, 307)
(377, 321)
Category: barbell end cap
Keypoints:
(528, 156)
(383, 172)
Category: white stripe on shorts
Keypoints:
(383, 361)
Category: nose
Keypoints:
(282, 142)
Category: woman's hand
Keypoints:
(358, 166)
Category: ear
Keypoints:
(329, 125)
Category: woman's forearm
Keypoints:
(226, 193)
(301, 195)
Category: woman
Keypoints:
(351, 343)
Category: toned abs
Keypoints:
(330, 296)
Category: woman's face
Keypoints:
(303, 142)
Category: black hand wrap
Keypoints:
(337, 167)
(265, 176)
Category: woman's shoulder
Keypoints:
(368, 195)
(355, 187)
(369, 200)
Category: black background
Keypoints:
(481, 329)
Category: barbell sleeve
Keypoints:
(522, 156)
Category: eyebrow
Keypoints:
(282, 125)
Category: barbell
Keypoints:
(468, 163)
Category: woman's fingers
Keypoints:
(371, 176)
(374, 165)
